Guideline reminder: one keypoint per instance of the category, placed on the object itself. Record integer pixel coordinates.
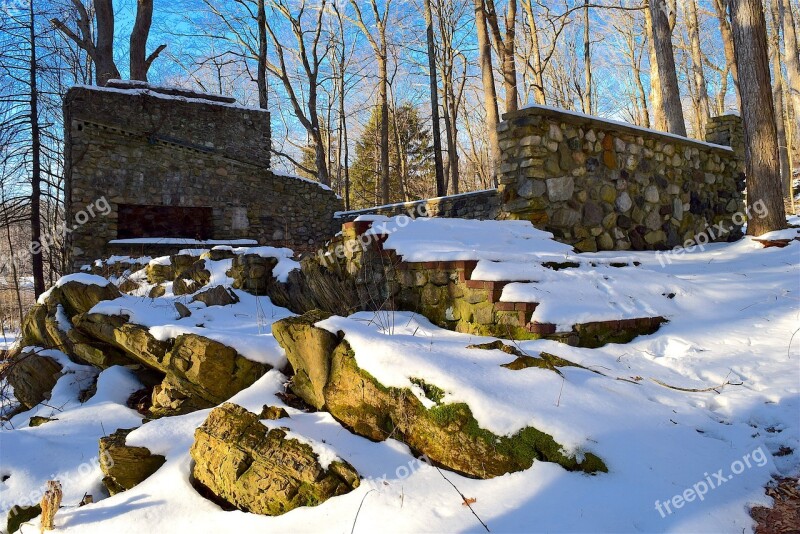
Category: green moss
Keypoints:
(432, 392)
(523, 448)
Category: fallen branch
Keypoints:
(715, 389)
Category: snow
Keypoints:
(181, 241)
(156, 94)
(294, 177)
(680, 138)
(243, 326)
(421, 240)
(732, 325)
(81, 278)
(284, 256)
(7, 339)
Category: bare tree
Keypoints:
(587, 61)
(790, 45)
(777, 96)
(101, 48)
(721, 11)
(758, 114)
(665, 59)
(441, 189)
(379, 47)
(693, 27)
(140, 61)
(489, 91)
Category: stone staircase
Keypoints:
(447, 294)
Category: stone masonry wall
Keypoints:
(481, 205)
(144, 148)
(602, 185)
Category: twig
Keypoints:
(694, 390)
(789, 348)
(464, 498)
(359, 510)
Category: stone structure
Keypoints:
(603, 185)
(481, 205)
(181, 165)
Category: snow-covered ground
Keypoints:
(7, 339)
(691, 421)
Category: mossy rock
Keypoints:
(37, 420)
(19, 515)
(192, 279)
(448, 434)
(124, 466)
(309, 355)
(255, 469)
(199, 372)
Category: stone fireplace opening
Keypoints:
(138, 221)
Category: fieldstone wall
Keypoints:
(602, 185)
(148, 146)
(480, 205)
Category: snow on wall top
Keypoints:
(538, 109)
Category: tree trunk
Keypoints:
(434, 86)
(138, 43)
(720, 7)
(510, 58)
(665, 59)
(758, 115)
(36, 166)
(489, 91)
(383, 103)
(693, 27)
(792, 62)
(777, 97)
(656, 97)
(587, 61)
(261, 20)
(104, 49)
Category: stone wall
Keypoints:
(153, 147)
(481, 205)
(602, 185)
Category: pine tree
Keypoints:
(412, 174)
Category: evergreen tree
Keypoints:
(412, 173)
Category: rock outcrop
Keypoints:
(32, 376)
(255, 469)
(195, 372)
(328, 377)
(199, 372)
(50, 324)
(124, 466)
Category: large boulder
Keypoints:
(255, 469)
(124, 466)
(199, 372)
(32, 376)
(447, 433)
(309, 350)
(192, 279)
(50, 324)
